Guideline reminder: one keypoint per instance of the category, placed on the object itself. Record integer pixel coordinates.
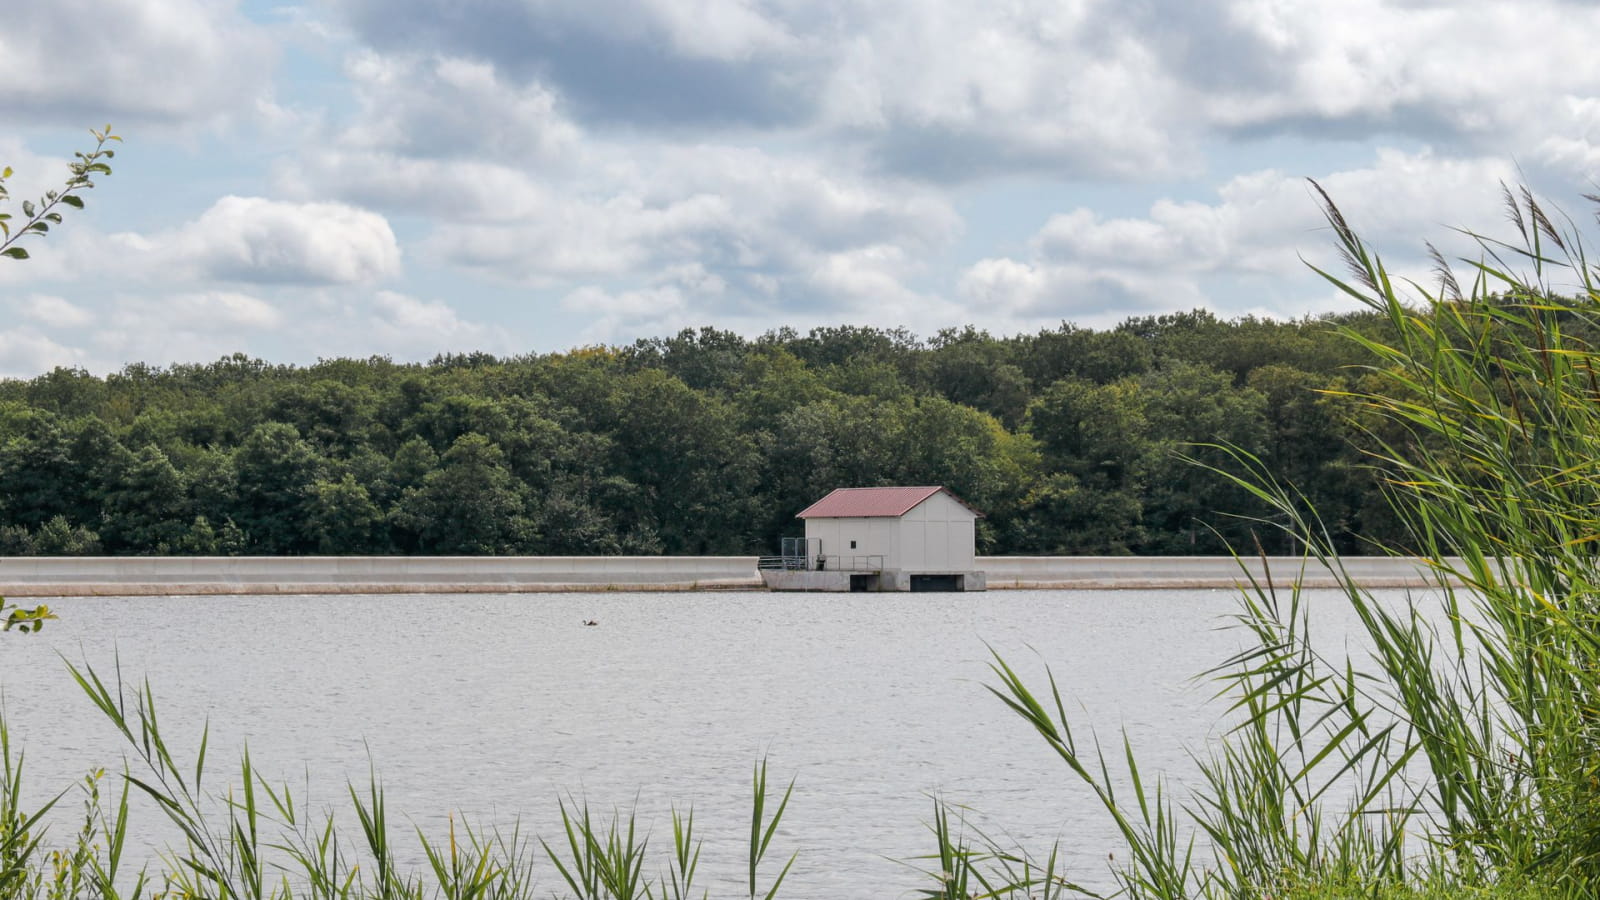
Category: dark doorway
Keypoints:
(864, 582)
(937, 582)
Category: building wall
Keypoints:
(873, 537)
(938, 535)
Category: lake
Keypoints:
(495, 706)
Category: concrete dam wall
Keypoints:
(145, 575)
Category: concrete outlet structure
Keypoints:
(881, 539)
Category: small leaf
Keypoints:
(27, 208)
(39, 227)
(16, 253)
(6, 172)
(53, 217)
(73, 201)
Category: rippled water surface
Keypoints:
(495, 706)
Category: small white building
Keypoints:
(886, 539)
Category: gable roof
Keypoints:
(875, 502)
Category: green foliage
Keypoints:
(37, 217)
(705, 442)
(24, 619)
(1460, 755)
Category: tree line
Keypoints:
(1071, 441)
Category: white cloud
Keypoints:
(617, 316)
(1096, 270)
(211, 311)
(253, 239)
(181, 62)
(25, 353)
(186, 327)
(717, 29)
(445, 190)
(400, 324)
(1492, 75)
(728, 209)
(52, 311)
(954, 90)
(436, 105)
(964, 89)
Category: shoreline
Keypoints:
(30, 577)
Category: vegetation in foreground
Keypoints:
(1459, 757)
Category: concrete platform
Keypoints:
(889, 580)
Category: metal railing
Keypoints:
(869, 563)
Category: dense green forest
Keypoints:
(1072, 441)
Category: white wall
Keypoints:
(938, 535)
(875, 536)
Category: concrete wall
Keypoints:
(90, 576)
(1089, 572)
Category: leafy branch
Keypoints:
(22, 618)
(40, 215)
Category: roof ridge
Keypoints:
(884, 501)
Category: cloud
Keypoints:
(1225, 255)
(256, 240)
(948, 91)
(180, 62)
(442, 190)
(729, 209)
(964, 89)
(24, 353)
(437, 105)
(209, 311)
(161, 329)
(664, 62)
(285, 324)
(1478, 71)
(54, 312)
(397, 323)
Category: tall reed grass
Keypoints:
(1462, 753)
(253, 840)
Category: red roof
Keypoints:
(862, 503)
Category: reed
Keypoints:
(1461, 755)
(252, 840)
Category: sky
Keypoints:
(348, 178)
